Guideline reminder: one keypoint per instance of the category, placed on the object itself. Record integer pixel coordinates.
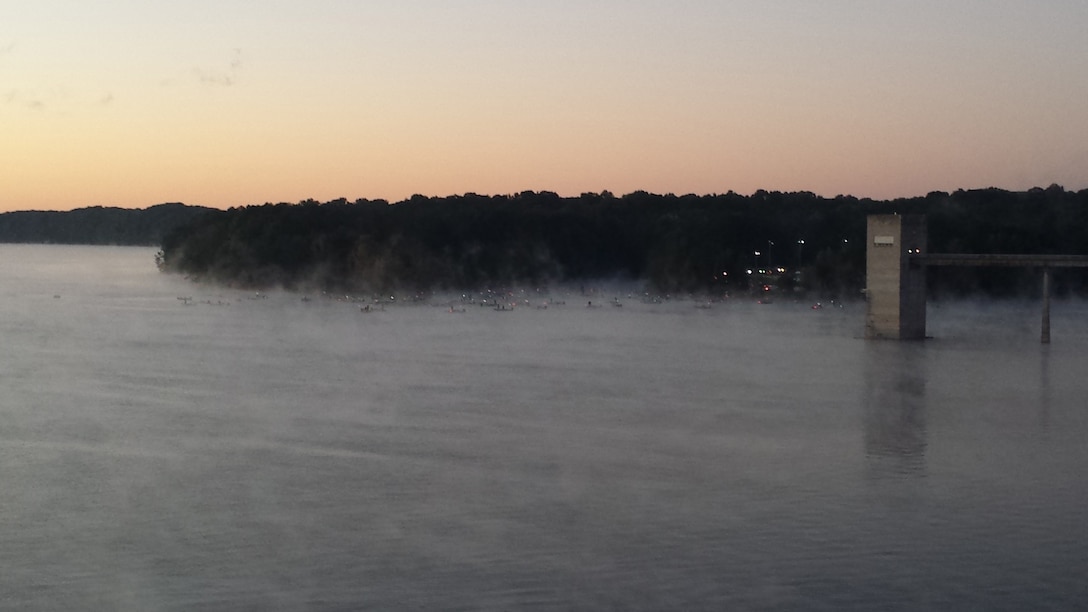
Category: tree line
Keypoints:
(96, 225)
(707, 244)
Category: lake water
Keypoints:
(264, 453)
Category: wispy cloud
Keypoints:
(53, 100)
(222, 77)
(30, 100)
(8, 48)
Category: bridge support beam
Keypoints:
(895, 287)
(895, 276)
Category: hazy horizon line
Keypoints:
(562, 196)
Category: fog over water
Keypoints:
(265, 452)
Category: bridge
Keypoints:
(895, 270)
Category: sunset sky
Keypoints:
(136, 102)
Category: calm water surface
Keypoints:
(266, 453)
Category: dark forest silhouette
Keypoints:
(97, 225)
(712, 244)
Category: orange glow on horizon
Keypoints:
(369, 101)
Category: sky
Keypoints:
(131, 103)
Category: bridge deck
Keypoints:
(1007, 260)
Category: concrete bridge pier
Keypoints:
(895, 288)
(896, 262)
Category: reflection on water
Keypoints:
(1045, 391)
(270, 453)
(895, 407)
